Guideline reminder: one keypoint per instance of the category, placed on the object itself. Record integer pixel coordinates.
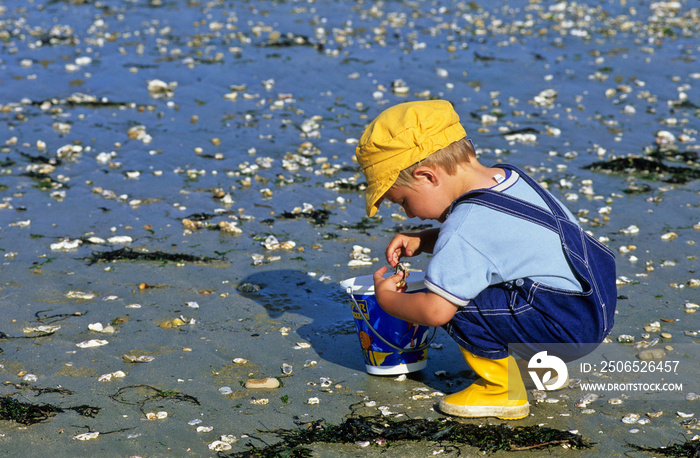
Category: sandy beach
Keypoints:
(179, 203)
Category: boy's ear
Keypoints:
(426, 174)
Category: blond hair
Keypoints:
(448, 158)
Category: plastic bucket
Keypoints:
(389, 345)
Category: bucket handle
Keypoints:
(374, 331)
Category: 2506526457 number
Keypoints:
(630, 366)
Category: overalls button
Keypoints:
(519, 282)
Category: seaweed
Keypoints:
(289, 40)
(363, 225)
(26, 413)
(39, 391)
(686, 449)
(652, 167)
(318, 217)
(4, 336)
(202, 216)
(89, 101)
(141, 398)
(127, 254)
(647, 168)
(45, 181)
(54, 318)
(40, 159)
(487, 438)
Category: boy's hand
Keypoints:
(389, 284)
(402, 245)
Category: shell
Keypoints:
(219, 446)
(43, 329)
(120, 240)
(110, 376)
(66, 245)
(262, 383)
(91, 343)
(80, 295)
(138, 359)
(587, 399)
(86, 436)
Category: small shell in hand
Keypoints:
(401, 268)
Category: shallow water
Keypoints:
(265, 102)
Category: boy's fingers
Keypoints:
(393, 257)
(378, 275)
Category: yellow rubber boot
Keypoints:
(491, 395)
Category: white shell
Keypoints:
(86, 436)
(44, 329)
(79, 295)
(91, 343)
(219, 446)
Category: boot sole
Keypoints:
(500, 412)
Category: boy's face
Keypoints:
(424, 200)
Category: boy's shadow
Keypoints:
(331, 328)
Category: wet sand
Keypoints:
(126, 119)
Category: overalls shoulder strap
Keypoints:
(517, 207)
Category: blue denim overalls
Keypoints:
(530, 313)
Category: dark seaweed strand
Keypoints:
(687, 449)
(649, 168)
(25, 413)
(39, 391)
(489, 438)
(158, 395)
(126, 254)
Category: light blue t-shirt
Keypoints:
(478, 247)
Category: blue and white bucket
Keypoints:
(389, 345)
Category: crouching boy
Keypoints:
(509, 263)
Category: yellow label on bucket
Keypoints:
(375, 358)
(363, 309)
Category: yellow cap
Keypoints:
(401, 136)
